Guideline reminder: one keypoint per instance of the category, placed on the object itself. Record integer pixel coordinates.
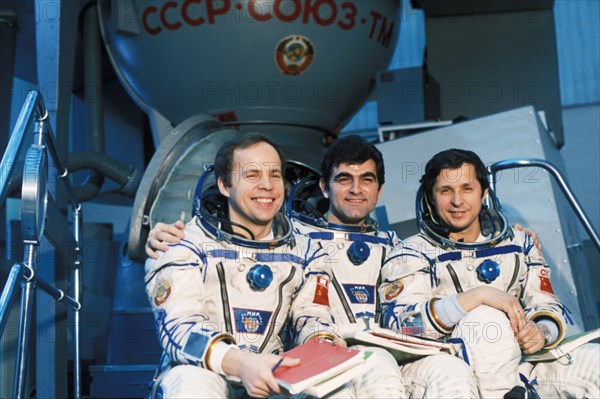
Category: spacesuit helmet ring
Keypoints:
(306, 201)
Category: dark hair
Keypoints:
(351, 150)
(452, 159)
(224, 158)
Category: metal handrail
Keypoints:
(35, 192)
(17, 139)
(33, 105)
(562, 183)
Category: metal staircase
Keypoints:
(133, 348)
(583, 275)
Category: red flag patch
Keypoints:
(545, 284)
(322, 292)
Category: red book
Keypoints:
(320, 361)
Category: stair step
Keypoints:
(133, 339)
(121, 381)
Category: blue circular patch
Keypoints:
(488, 271)
(358, 252)
(259, 277)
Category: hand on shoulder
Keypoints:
(532, 234)
(162, 235)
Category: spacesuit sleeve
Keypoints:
(408, 276)
(310, 313)
(538, 297)
(175, 288)
(393, 238)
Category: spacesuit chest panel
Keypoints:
(358, 281)
(353, 295)
(253, 315)
(464, 270)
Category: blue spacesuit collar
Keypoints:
(220, 234)
(370, 226)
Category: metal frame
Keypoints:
(37, 205)
(409, 128)
(560, 180)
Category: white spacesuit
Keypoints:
(428, 268)
(215, 290)
(354, 261)
(352, 300)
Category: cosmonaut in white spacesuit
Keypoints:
(217, 291)
(335, 210)
(222, 295)
(490, 289)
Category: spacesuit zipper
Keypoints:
(454, 278)
(515, 273)
(377, 299)
(342, 297)
(226, 312)
(277, 310)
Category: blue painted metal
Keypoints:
(55, 55)
(578, 46)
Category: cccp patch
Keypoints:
(162, 291)
(294, 54)
(393, 290)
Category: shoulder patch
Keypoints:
(393, 290)
(162, 291)
(322, 292)
(545, 284)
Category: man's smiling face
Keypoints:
(457, 197)
(353, 192)
(257, 188)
